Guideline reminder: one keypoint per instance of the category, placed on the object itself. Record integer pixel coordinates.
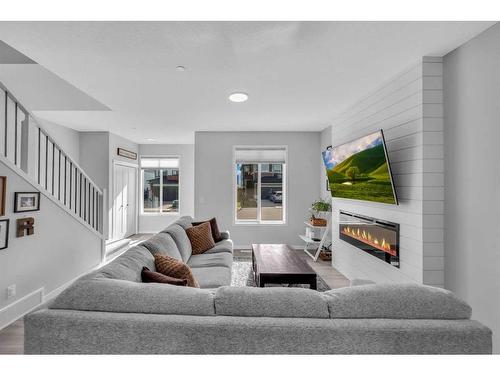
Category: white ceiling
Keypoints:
(299, 75)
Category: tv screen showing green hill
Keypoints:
(360, 170)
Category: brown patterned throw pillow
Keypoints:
(213, 226)
(149, 276)
(175, 268)
(201, 238)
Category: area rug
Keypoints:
(242, 276)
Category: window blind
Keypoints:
(171, 162)
(260, 154)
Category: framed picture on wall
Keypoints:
(25, 202)
(3, 188)
(126, 153)
(4, 233)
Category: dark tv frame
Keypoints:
(388, 168)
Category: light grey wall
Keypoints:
(66, 138)
(472, 177)
(409, 109)
(325, 141)
(60, 250)
(155, 223)
(94, 159)
(214, 182)
(94, 156)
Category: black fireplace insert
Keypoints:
(377, 237)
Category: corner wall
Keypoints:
(409, 109)
(472, 194)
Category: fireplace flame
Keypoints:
(367, 238)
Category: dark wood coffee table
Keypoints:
(279, 264)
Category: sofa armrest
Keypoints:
(225, 235)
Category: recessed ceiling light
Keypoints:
(150, 139)
(180, 68)
(238, 97)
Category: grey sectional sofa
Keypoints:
(111, 311)
(212, 268)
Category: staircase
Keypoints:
(28, 150)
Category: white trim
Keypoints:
(126, 163)
(135, 167)
(249, 247)
(9, 313)
(141, 186)
(43, 298)
(284, 172)
(160, 214)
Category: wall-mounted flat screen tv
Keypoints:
(360, 170)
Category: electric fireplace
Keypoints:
(379, 238)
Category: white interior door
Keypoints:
(125, 215)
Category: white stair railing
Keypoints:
(27, 147)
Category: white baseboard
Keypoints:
(10, 313)
(249, 247)
(16, 310)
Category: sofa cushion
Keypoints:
(212, 277)
(181, 239)
(127, 266)
(184, 221)
(149, 276)
(211, 260)
(201, 238)
(213, 227)
(224, 246)
(270, 302)
(395, 301)
(163, 244)
(175, 268)
(130, 297)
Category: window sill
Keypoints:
(260, 223)
(160, 214)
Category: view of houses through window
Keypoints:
(160, 185)
(260, 192)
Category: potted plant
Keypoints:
(319, 209)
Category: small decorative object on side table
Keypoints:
(319, 208)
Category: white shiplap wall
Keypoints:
(410, 111)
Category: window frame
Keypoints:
(284, 171)
(141, 187)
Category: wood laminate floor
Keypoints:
(12, 337)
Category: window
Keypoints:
(160, 185)
(259, 185)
